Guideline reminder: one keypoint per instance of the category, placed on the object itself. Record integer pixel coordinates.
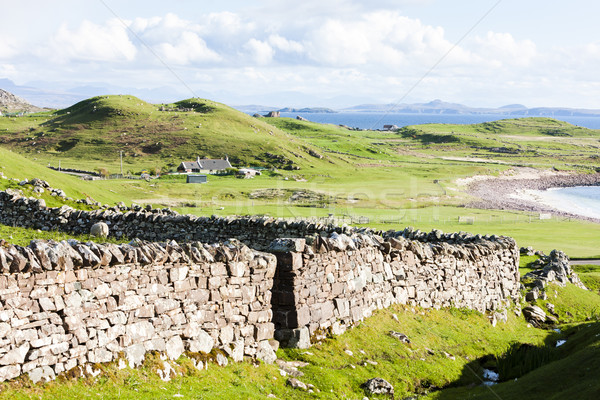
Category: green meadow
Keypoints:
(385, 180)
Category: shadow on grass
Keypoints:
(536, 372)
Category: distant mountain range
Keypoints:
(308, 110)
(441, 107)
(435, 107)
(57, 98)
(254, 108)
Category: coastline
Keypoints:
(515, 191)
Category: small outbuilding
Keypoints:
(196, 179)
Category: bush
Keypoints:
(103, 171)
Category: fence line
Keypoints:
(414, 219)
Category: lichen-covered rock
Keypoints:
(378, 386)
(99, 229)
(535, 315)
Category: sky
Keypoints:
(331, 53)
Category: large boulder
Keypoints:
(99, 229)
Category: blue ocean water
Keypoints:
(581, 200)
(577, 200)
(365, 120)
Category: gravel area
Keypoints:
(506, 192)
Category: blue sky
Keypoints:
(310, 53)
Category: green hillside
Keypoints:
(382, 179)
(94, 131)
(537, 142)
(15, 168)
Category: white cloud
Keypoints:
(383, 38)
(501, 49)
(225, 24)
(338, 43)
(260, 52)
(7, 70)
(285, 45)
(7, 48)
(188, 48)
(161, 30)
(332, 48)
(92, 42)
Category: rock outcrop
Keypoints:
(9, 103)
(378, 386)
(554, 268)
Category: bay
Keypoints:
(580, 200)
(365, 120)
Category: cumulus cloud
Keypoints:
(503, 49)
(93, 42)
(260, 52)
(311, 46)
(225, 24)
(188, 48)
(285, 45)
(383, 37)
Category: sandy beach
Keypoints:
(519, 189)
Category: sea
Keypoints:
(367, 120)
(580, 200)
(583, 201)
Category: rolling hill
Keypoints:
(97, 129)
(15, 167)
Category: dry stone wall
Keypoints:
(155, 225)
(66, 304)
(338, 281)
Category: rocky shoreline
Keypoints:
(505, 193)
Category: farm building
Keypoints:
(204, 166)
(196, 179)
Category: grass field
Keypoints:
(386, 180)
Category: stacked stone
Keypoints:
(67, 304)
(156, 225)
(555, 267)
(340, 280)
(160, 225)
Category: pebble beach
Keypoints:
(516, 191)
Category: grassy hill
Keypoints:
(94, 131)
(538, 142)
(15, 168)
(387, 180)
